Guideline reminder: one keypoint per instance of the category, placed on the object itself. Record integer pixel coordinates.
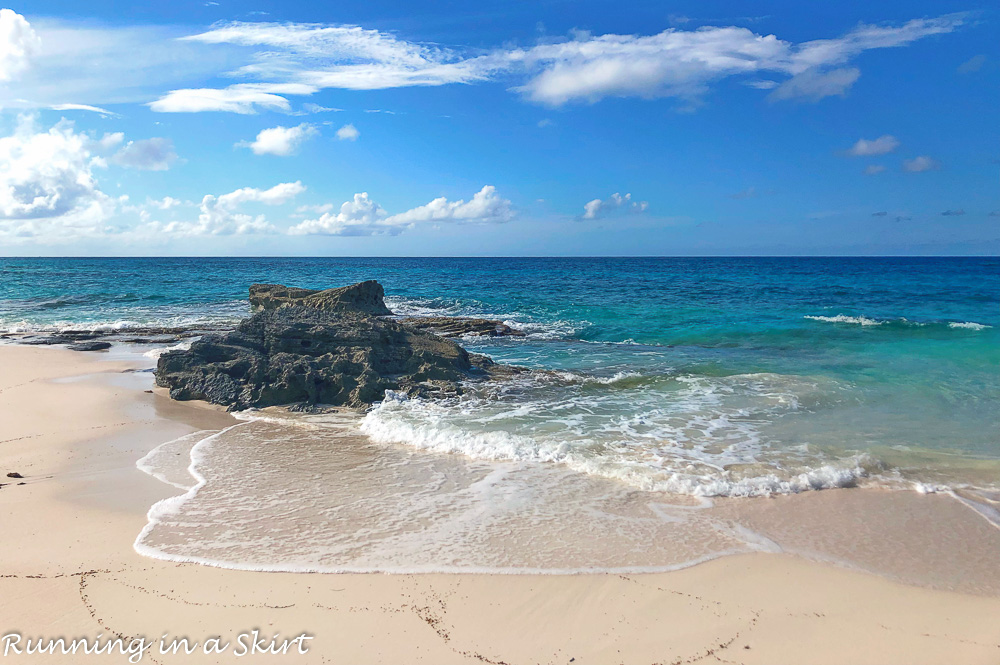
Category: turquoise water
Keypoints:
(701, 376)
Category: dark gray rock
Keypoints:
(44, 340)
(300, 355)
(90, 346)
(366, 297)
(447, 326)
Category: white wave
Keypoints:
(703, 439)
(174, 504)
(843, 318)
(169, 461)
(602, 380)
(529, 325)
(968, 325)
(156, 353)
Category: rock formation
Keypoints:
(366, 297)
(317, 347)
(447, 326)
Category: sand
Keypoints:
(75, 425)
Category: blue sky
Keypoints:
(500, 128)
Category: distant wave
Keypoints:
(866, 321)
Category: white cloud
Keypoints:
(348, 133)
(47, 185)
(816, 84)
(242, 99)
(45, 174)
(920, 164)
(682, 63)
(18, 44)
(358, 217)
(156, 154)
(343, 56)
(83, 107)
(597, 208)
(281, 141)
(220, 215)
(82, 65)
(109, 141)
(874, 169)
(362, 216)
(166, 203)
(880, 146)
(268, 62)
(316, 108)
(485, 206)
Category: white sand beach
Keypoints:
(74, 426)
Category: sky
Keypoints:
(499, 128)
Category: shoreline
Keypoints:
(77, 440)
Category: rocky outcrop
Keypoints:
(93, 345)
(447, 326)
(317, 347)
(366, 297)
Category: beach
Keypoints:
(75, 426)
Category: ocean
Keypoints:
(687, 379)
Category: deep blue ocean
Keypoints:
(735, 376)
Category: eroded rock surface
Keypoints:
(317, 347)
(366, 297)
(447, 326)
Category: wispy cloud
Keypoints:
(880, 146)
(748, 193)
(156, 154)
(954, 213)
(874, 169)
(920, 164)
(973, 64)
(586, 68)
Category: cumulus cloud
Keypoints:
(362, 216)
(485, 206)
(348, 133)
(156, 154)
(18, 43)
(299, 59)
(880, 146)
(920, 164)
(598, 208)
(47, 174)
(281, 141)
(358, 217)
(221, 215)
(874, 169)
